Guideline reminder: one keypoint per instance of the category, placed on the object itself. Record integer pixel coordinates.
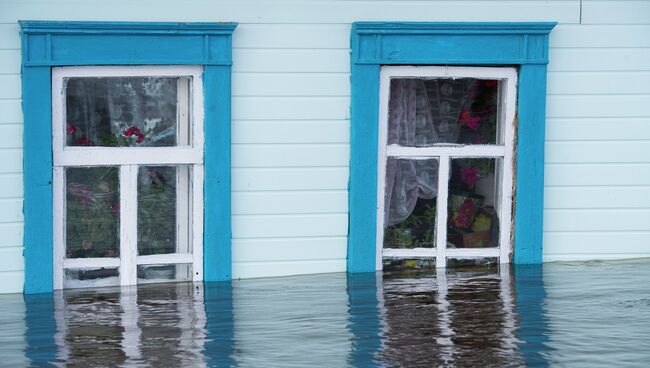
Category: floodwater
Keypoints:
(562, 314)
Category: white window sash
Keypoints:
(444, 153)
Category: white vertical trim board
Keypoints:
(187, 159)
(503, 152)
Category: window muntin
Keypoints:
(142, 196)
(461, 118)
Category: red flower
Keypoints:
(71, 129)
(463, 218)
(134, 131)
(84, 141)
(469, 175)
(466, 119)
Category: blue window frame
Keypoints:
(48, 44)
(373, 44)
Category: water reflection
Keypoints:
(468, 317)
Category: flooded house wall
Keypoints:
(290, 122)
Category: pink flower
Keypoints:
(469, 175)
(463, 218)
(134, 131)
(71, 129)
(466, 119)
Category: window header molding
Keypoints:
(450, 43)
(48, 43)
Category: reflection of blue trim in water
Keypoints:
(533, 329)
(364, 320)
(41, 328)
(219, 345)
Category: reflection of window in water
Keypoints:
(157, 324)
(456, 318)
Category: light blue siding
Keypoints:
(596, 93)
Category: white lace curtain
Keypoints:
(420, 114)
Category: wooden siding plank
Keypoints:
(9, 36)
(10, 86)
(12, 235)
(599, 59)
(598, 83)
(295, 155)
(252, 131)
(11, 136)
(614, 36)
(288, 11)
(278, 226)
(292, 249)
(574, 220)
(610, 174)
(601, 129)
(597, 152)
(10, 61)
(291, 60)
(292, 36)
(11, 161)
(11, 186)
(11, 282)
(307, 178)
(11, 112)
(11, 210)
(11, 259)
(245, 270)
(596, 197)
(615, 12)
(291, 84)
(291, 108)
(598, 106)
(262, 203)
(588, 244)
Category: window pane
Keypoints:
(151, 274)
(92, 217)
(473, 198)
(90, 277)
(403, 264)
(164, 207)
(424, 112)
(127, 111)
(410, 203)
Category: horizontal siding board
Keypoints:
(578, 129)
(244, 270)
(252, 131)
(612, 174)
(11, 282)
(10, 86)
(291, 61)
(251, 203)
(11, 136)
(288, 11)
(596, 197)
(599, 59)
(10, 61)
(9, 36)
(557, 243)
(295, 155)
(278, 226)
(291, 84)
(598, 106)
(292, 36)
(615, 12)
(261, 250)
(11, 111)
(11, 210)
(614, 36)
(11, 259)
(598, 83)
(291, 108)
(11, 185)
(12, 235)
(274, 179)
(598, 152)
(572, 220)
(11, 161)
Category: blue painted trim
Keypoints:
(47, 44)
(384, 43)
